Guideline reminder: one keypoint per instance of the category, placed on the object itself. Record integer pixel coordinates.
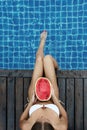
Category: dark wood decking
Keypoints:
(13, 94)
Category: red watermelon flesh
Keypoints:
(43, 89)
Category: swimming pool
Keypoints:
(22, 21)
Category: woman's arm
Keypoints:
(56, 102)
(63, 122)
(61, 109)
(28, 124)
(25, 114)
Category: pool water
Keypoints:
(22, 21)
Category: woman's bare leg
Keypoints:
(38, 69)
(49, 68)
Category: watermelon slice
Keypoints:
(43, 89)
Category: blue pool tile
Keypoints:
(85, 65)
(21, 23)
(1, 65)
(5, 65)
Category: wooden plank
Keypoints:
(10, 104)
(61, 85)
(85, 104)
(26, 86)
(16, 73)
(70, 102)
(3, 114)
(78, 104)
(60, 73)
(72, 73)
(6, 120)
(19, 100)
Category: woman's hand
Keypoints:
(33, 98)
(53, 94)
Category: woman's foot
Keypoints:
(43, 35)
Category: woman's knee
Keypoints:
(47, 58)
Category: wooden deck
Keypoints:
(13, 93)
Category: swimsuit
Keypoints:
(50, 106)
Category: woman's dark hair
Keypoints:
(39, 126)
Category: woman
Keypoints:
(50, 111)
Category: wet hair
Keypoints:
(39, 126)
